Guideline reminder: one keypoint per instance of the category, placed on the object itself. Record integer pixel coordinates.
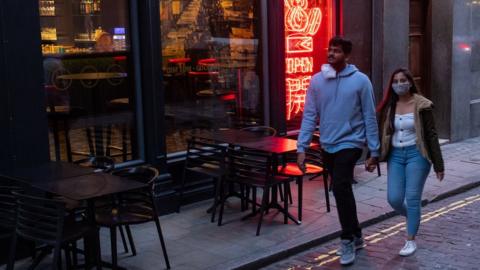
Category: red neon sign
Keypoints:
(308, 27)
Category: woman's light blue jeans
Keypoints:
(407, 172)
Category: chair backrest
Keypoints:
(205, 154)
(105, 164)
(249, 165)
(8, 209)
(261, 130)
(312, 156)
(145, 174)
(39, 219)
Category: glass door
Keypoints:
(90, 90)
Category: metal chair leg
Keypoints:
(162, 241)
(285, 202)
(222, 205)
(262, 209)
(124, 242)
(182, 187)
(130, 240)
(113, 244)
(68, 258)
(11, 255)
(57, 257)
(300, 196)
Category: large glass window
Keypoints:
(211, 66)
(89, 79)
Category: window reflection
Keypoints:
(88, 79)
(211, 66)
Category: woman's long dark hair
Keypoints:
(390, 98)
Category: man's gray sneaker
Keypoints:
(348, 252)
(359, 244)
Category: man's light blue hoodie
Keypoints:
(345, 105)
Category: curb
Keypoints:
(272, 258)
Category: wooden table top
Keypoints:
(70, 180)
(47, 171)
(270, 144)
(230, 136)
(90, 186)
(252, 140)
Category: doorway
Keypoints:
(419, 40)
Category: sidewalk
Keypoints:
(195, 243)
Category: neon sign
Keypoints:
(308, 27)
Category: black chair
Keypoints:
(261, 130)
(130, 208)
(254, 169)
(8, 216)
(100, 163)
(207, 158)
(314, 168)
(43, 221)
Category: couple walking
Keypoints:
(341, 98)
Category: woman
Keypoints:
(409, 143)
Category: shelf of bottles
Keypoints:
(75, 27)
(89, 7)
(47, 8)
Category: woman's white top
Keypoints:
(404, 134)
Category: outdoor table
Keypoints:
(277, 146)
(73, 182)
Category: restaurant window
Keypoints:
(90, 93)
(211, 66)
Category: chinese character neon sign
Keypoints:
(308, 27)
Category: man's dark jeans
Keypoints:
(340, 166)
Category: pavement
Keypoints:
(448, 238)
(195, 243)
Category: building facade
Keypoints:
(134, 79)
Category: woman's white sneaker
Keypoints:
(409, 248)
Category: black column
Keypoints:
(152, 89)
(23, 120)
(276, 55)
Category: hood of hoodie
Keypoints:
(330, 73)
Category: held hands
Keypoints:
(440, 175)
(301, 162)
(371, 164)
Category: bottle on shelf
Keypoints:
(47, 7)
(82, 6)
(99, 5)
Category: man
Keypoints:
(341, 97)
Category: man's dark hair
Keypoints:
(342, 42)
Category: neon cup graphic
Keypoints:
(303, 20)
